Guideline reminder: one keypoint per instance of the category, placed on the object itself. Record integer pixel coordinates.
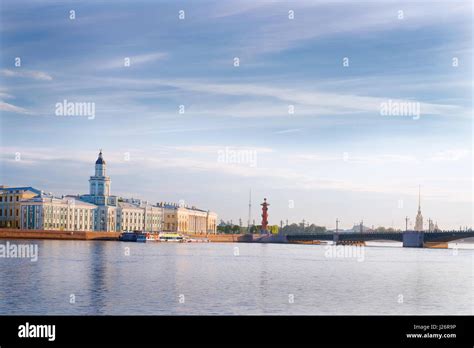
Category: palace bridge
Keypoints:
(412, 239)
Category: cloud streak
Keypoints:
(6, 107)
(132, 61)
(30, 74)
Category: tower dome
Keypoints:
(100, 160)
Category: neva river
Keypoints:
(190, 279)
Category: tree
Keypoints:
(300, 229)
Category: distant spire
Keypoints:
(419, 217)
(250, 210)
(419, 198)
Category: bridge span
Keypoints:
(410, 239)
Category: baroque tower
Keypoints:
(99, 194)
(99, 183)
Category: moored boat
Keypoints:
(133, 237)
(170, 237)
(152, 237)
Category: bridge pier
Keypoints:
(413, 239)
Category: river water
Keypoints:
(98, 277)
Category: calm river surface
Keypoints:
(158, 278)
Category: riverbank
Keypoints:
(91, 235)
(61, 235)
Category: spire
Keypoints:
(419, 198)
(419, 217)
(250, 210)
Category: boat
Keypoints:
(133, 237)
(170, 237)
(152, 237)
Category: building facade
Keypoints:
(99, 194)
(10, 198)
(28, 208)
(135, 215)
(184, 219)
(45, 212)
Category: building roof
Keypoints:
(21, 188)
(128, 205)
(175, 206)
(70, 200)
(76, 201)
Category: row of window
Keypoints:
(59, 225)
(9, 198)
(4, 212)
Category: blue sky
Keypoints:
(336, 156)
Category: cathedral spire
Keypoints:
(419, 198)
(419, 217)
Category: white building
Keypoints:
(45, 212)
(99, 194)
(101, 211)
(135, 215)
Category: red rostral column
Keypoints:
(264, 216)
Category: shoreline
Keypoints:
(58, 235)
(109, 236)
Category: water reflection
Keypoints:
(98, 277)
(215, 281)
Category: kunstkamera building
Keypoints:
(101, 211)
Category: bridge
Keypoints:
(413, 239)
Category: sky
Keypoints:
(203, 101)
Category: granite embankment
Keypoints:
(63, 235)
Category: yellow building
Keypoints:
(184, 219)
(10, 198)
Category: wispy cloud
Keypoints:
(12, 108)
(191, 159)
(132, 61)
(212, 149)
(450, 155)
(316, 19)
(261, 99)
(36, 75)
(369, 159)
